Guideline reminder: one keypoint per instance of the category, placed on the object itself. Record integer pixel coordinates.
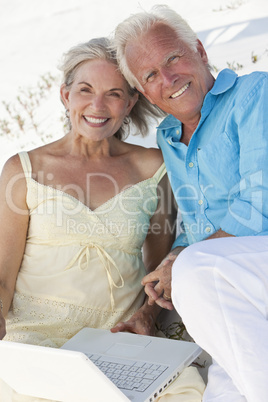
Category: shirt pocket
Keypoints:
(218, 163)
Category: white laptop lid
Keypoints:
(54, 374)
(68, 375)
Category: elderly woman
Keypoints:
(77, 213)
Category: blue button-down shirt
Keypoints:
(220, 181)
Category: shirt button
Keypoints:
(200, 202)
(208, 229)
(191, 164)
(177, 131)
(169, 141)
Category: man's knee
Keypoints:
(189, 259)
(184, 267)
(188, 268)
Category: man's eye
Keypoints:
(151, 76)
(173, 58)
(85, 90)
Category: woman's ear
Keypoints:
(64, 94)
(132, 102)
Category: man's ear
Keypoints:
(202, 52)
(64, 94)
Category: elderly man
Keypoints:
(215, 145)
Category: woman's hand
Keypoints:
(142, 322)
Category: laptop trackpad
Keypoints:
(123, 350)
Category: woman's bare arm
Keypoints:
(14, 218)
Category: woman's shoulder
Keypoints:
(151, 154)
(46, 149)
(22, 161)
(148, 160)
(44, 155)
(12, 166)
(12, 180)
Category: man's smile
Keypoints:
(180, 92)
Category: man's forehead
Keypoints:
(158, 36)
(157, 43)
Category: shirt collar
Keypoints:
(169, 122)
(225, 80)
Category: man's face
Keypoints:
(172, 75)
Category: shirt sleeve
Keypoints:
(248, 211)
(181, 240)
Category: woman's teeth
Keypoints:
(94, 120)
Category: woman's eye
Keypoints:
(86, 90)
(115, 94)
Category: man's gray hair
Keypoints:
(138, 24)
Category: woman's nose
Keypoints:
(97, 102)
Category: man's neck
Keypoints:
(187, 132)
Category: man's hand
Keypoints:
(158, 282)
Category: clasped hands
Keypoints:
(157, 284)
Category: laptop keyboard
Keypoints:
(128, 374)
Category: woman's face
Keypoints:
(98, 100)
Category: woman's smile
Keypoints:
(96, 121)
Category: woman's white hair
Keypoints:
(100, 48)
(139, 24)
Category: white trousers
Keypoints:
(220, 289)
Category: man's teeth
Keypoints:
(94, 120)
(180, 91)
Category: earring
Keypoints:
(67, 113)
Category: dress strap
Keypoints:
(26, 164)
(160, 173)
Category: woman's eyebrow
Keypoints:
(116, 89)
(112, 89)
(85, 83)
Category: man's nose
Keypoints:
(168, 77)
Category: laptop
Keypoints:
(96, 365)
